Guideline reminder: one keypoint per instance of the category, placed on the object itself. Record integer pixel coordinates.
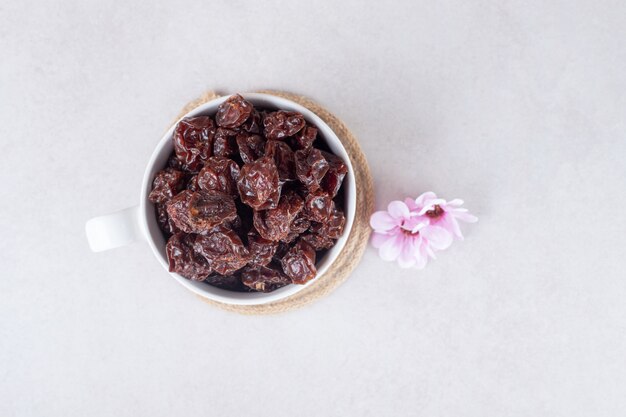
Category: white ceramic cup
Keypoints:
(140, 223)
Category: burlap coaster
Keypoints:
(357, 241)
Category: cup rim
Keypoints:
(157, 162)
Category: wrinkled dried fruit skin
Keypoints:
(337, 170)
(280, 124)
(304, 139)
(258, 184)
(311, 166)
(251, 147)
(224, 143)
(233, 112)
(192, 184)
(318, 206)
(263, 279)
(298, 226)
(231, 186)
(227, 282)
(219, 176)
(163, 219)
(261, 250)
(183, 260)
(254, 123)
(299, 263)
(318, 242)
(223, 250)
(281, 251)
(166, 184)
(197, 212)
(274, 224)
(193, 141)
(284, 159)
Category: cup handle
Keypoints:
(114, 230)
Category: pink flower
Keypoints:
(440, 212)
(406, 237)
(410, 232)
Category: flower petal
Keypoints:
(422, 257)
(465, 217)
(398, 210)
(408, 256)
(428, 195)
(381, 221)
(379, 239)
(455, 202)
(410, 203)
(449, 223)
(390, 250)
(437, 237)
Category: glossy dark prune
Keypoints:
(332, 227)
(165, 185)
(224, 143)
(197, 212)
(249, 196)
(193, 141)
(284, 159)
(163, 219)
(311, 166)
(263, 279)
(222, 249)
(281, 124)
(258, 184)
(298, 226)
(337, 170)
(304, 139)
(254, 123)
(251, 147)
(219, 175)
(183, 260)
(233, 112)
(274, 224)
(299, 263)
(261, 250)
(317, 241)
(318, 206)
(226, 282)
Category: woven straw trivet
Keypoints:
(357, 241)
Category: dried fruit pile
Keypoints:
(246, 201)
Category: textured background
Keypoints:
(515, 106)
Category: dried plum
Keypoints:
(337, 170)
(311, 166)
(233, 112)
(251, 147)
(274, 224)
(284, 159)
(224, 143)
(219, 175)
(223, 250)
(165, 185)
(299, 263)
(258, 184)
(226, 282)
(304, 139)
(281, 124)
(183, 260)
(318, 206)
(197, 212)
(245, 198)
(261, 250)
(263, 279)
(193, 141)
